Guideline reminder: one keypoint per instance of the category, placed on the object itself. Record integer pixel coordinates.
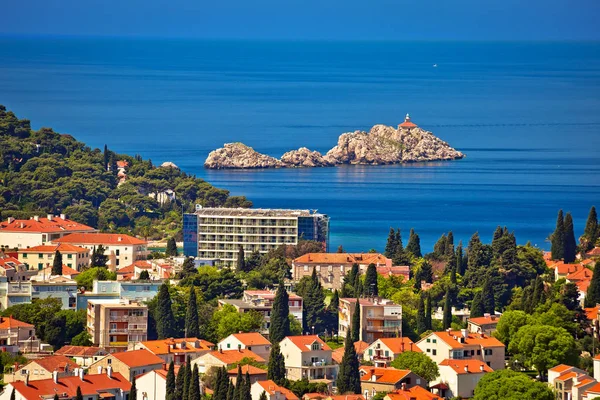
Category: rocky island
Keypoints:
(381, 145)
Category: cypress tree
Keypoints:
(570, 249)
(348, 379)
(399, 245)
(217, 390)
(239, 384)
(371, 280)
(170, 382)
(477, 306)
(276, 367)
(171, 250)
(498, 233)
(355, 331)
(449, 252)
(591, 231)
(350, 279)
(241, 259)
(527, 299)
(179, 382)
(390, 247)
(314, 304)
(414, 244)
(57, 263)
(474, 251)
(263, 396)
(133, 390)
(192, 324)
(428, 314)
(558, 238)
(593, 293)
(421, 317)
(439, 248)
(230, 392)
(106, 157)
(165, 321)
(186, 380)
(453, 271)
(246, 392)
(447, 318)
(13, 395)
(194, 391)
(280, 322)
(79, 395)
(539, 294)
(460, 267)
(487, 297)
(334, 304)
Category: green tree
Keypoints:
(133, 390)
(230, 391)
(487, 296)
(313, 304)
(170, 382)
(178, 394)
(558, 238)
(276, 369)
(188, 268)
(447, 317)
(371, 280)
(87, 277)
(421, 317)
(414, 245)
(507, 384)
(418, 363)
(57, 263)
(263, 396)
(593, 293)
(439, 248)
(165, 321)
(241, 259)
(194, 390)
(82, 339)
(99, 259)
(192, 323)
(355, 332)
(187, 378)
(390, 247)
(570, 245)
(509, 324)
(56, 396)
(79, 396)
(539, 294)
(477, 306)
(239, 384)
(428, 311)
(449, 252)
(348, 379)
(280, 324)
(144, 276)
(591, 231)
(171, 250)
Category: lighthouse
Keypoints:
(407, 125)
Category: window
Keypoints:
(117, 252)
(315, 346)
(305, 268)
(318, 267)
(478, 352)
(370, 352)
(228, 345)
(40, 255)
(434, 352)
(428, 340)
(24, 255)
(109, 361)
(429, 350)
(434, 340)
(40, 265)
(69, 256)
(387, 353)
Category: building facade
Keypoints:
(379, 318)
(218, 233)
(127, 363)
(176, 350)
(307, 357)
(39, 257)
(385, 350)
(252, 341)
(117, 324)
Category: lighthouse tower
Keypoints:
(407, 125)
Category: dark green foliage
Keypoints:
(558, 238)
(79, 396)
(570, 245)
(355, 332)
(99, 259)
(439, 248)
(239, 384)
(371, 281)
(392, 244)
(171, 250)
(192, 324)
(194, 390)
(263, 396)
(348, 379)
(449, 251)
(133, 390)
(335, 301)
(539, 293)
(421, 317)
(179, 383)
(460, 260)
(477, 309)
(591, 231)
(170, 382)
(447, 317)
(224, 285)
(511, 385)
(487, 296)
(569, 296)
(351, 286)
(314, 305)
(414, 244)
(57, 263)
(144, 275)
(276, 367)
(230, 392)
(475, 252)
(241, 259)
(188, 269)
(187, 378)
(593, 293)
(428, 311)
(280, 323)
(165, 321)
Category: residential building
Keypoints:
(486, 324)
(320, 396)
(463, 314)
(262, 302)
(176, 350)
(14, 293)
(127, 363)
(385, 350)
(307, 357)
(56, 287)
(84, 356)
(375, 380)
(116, 324)
(133, 271)
(332, 268)
(138, 291)
(36, 231)
(459, 345)
(224, 358)
(252, 341)
(45, 274)
(397, 271)
(359, 347)
(256, 374)
(11, 269)
(93, 387)
(458, 378)
(414, 393)
(43, 368)
(39, 257)
(152, 385)
(379, 318)
(16, 335)
(122, 250)
(271, 389)
(570, 383)
(217, 233)
(592, 393)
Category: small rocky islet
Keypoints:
(382, 145)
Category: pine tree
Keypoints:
(414, 244)
(570, 249)
(99, 259)
(192, 324)
(79, 395)
(276, 367)
(133, 390)
(558, 238)
(350, 280)
(106, 157)
(428, 311)
(477, 306)
(314, 304)
(165, 321)
(194, 391)
(450, 245)
(421, 317)
(263, 396)
(179, 382)
(230, 392)
(498, 233)
(239, 383)
(334, 304)
(13, 395)
(57, 263)
(539, 294)
(487, 296)
(439, 248)
(241, 259)
(453, 271)
(460, 267)
(355, 333)
(348, 379)
(591, 231)
(280, 322)
(593, 293)
(170, 382)
(399, 245)
(187, 379)
(447, 317)
(474, 252)
(171, 250)
(246, 391)
(218, 393)
(371, 280)
(390, 247)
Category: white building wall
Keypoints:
(151, 386)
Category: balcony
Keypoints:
(118, 344)
(381, 358)
(379, 328)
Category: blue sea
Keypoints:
(527, 115)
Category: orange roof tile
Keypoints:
(360, 347)
(78, 351)
(52, 248)
(90, 386)
(100, 238)
(10, 322)
(8, 262)
(400, 270)
(566, 269)
(252, 338)
(233, 356)
(165, 346)
(137, 358)
(472, 366)
(414, 393)
(66, 270)
(561, 368)
(594, 252)
(584, 382)
(583, 285)
(594, 389)
(321, 396)
(56, 362)
(400, 345)
(43, 225)
(267, 294)
(250, 369)
(343, 258)
(271, 387)
(383, 375)
(489, 320)
(478, 339)
(580, 275)
(565, 376)
(304, 342)
(592, 312)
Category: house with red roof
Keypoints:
(379, 318)
(13, 269)
(252, 341)
(37, 231)
(593, 253)
(272, 391)
(359, 347)
(414, 393)
(40, 257)
(176, 350)
(82, 355)
(224, 358)
(321, 396)
(93, 387)
(398, 271)
(458, 378)
(486, 324)
(307, 357)
(43, 368)
(375, 380)
(385, 350)
(15, 335)
(256, 374)
(128, 363)
(569, 382)
(153, 384)
(121, 249)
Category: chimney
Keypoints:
(81, 373)
(55, 376)
(486, 315)
(10, 219)
(119, 239)
(109, 372)
(63, 216)
(36, 217)
(411, 343)
(464, 333)
(240, 348)
(466, 368)
(220, 349)
(49, 216)
(481, 367)
(99, 369)
(27, 378)
(76, 372)
(402, 346)
(403, 386)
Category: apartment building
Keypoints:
(16, 335)
(122, 250)
(307, 357)
(57, 288)
(36, 231)
(42, 368)
(127, 363)
(11, 269)
(39, 257)
(116, 324)
(463, 345)
(379, 318)
(458, 378)
(570, 383)
(385, 350)
(217, 233)
(331, 268)
(176, 350)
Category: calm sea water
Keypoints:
(526, 114)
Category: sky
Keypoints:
(307, 19)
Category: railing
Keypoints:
(118, 344)
(375, 328)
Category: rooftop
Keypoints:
(250, 369)
(271, 387)
(383, 375)
(485, 320)
(304, 342)
(10, 322)
(400, 345)
(52, 248)
(233, 356)
(137, 358)
(453, 339)
(78, 351)
(360, 347)
(116, 303)
(342, 258)
(101, 238)
(371, 301)
(414, 393)
(91, 385)
(180, 345)
(255, 212)
(251, 338)
(43, 225)
(56, 362)
(466, 366)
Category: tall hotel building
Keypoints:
(217, 233)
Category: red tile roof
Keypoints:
(252, 370)
(321, 396)
(43, 225)
(594, 389)
(271, 387)
(8, 262)
(233, 356)
(78, 351)
(137, 358)
(343, 258)
(360, 347)
(414, 393)
(56, 362)
(472, 366)
(383, 375)
(488, 320)
(252, 338)
(192, 345)
(66, 270)
(304, 342)
(594, 252)
(561, 368)
(90, 386)
(478, 339)
(566, 269)
(52, 248)
(101, 238)
(10, 322)
(400, 345)
(583, 274)
(592, 312)
(400, 270)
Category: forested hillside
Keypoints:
(43, 172)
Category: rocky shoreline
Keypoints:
(380, 146)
